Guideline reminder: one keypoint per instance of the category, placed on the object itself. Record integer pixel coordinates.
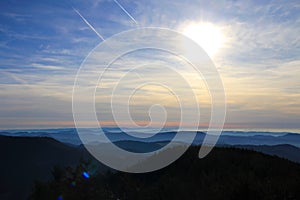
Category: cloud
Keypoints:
(43, 45)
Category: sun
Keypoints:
(207, 35)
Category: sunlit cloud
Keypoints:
(254, 45)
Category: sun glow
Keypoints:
(207, 35)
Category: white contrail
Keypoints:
(100, 36)
(15, 77)
(125, 11)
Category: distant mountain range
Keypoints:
(70, 136)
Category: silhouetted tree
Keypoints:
(226, 173)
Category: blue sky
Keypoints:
(43, 43)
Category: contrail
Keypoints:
(125, 11)
(16, 78)
(100, 36)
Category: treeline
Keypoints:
(226, 173)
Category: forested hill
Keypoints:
(226, 173)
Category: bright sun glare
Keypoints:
(207, 35)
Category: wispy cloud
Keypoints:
(43, 44)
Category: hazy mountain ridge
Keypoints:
(70, 136)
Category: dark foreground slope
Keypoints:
(25, 159)
(283, 150)
(226, 173)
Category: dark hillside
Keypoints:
(226, 173)
(25, 159)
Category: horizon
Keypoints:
(170, 128)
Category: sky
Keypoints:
(255, 46)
